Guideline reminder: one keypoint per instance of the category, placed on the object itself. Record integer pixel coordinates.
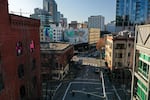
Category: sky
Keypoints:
(73, 10)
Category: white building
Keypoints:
(52, 33)
(96, 22)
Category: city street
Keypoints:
(87, 84)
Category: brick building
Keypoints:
(19, 56)
(55, 58)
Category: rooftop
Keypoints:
(54, 46)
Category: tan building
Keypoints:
(118, 50)
(55, 58)
(94, 35)
(141, 71)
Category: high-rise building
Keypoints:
(110, 27)
(51, 7)
(44, 16)
(96, 22)
(19, 56)
(141, 67)
(130, 12)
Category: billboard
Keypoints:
(76, 36)
(48, 32)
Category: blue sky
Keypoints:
(78, 10)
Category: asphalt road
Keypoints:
(87, 85)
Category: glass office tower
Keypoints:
(130, 12)
(51, 7)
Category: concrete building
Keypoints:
(76, 25)
(118, 50)
(55, 59)
(73, 24)
(96, 22)
(19, 56)
(53, 33)
(141, 71)
(94, 36)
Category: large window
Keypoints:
(1, 82)
(120, 46)
(143, 68)
(34, 81)
(22, 92)
(33, 63)
(32, 46)
(21, 71)
(19, 48)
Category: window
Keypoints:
(129, 45)
(119, 64)
(31, 46)
(19, 48)
(145, 67)
(1, 82)
(21, 71)
(33, 63)
(129, 54)
(120, 46)
(22, 92)
(34, 81)
(120, 55)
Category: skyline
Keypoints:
(73, 10)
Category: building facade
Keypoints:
(96, 22)
(118, 50)
(131, 12)
(111, 27)
(44, 16)
(52, 32)
(76, 36)
(19, 56)
(94, 36)
(141, 71)
(55, 59)
(51, 7)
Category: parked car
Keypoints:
(97, 70)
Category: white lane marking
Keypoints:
(66, 91)
(85, 83)
(58, 87)
(116, 92)
(87, 79)
(77, 83)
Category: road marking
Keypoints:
(85, 83)
(116, 92)
(58, 87)
(87, 79)
(66, 91)
(78, 91)
(103, 84)
(76, 83)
